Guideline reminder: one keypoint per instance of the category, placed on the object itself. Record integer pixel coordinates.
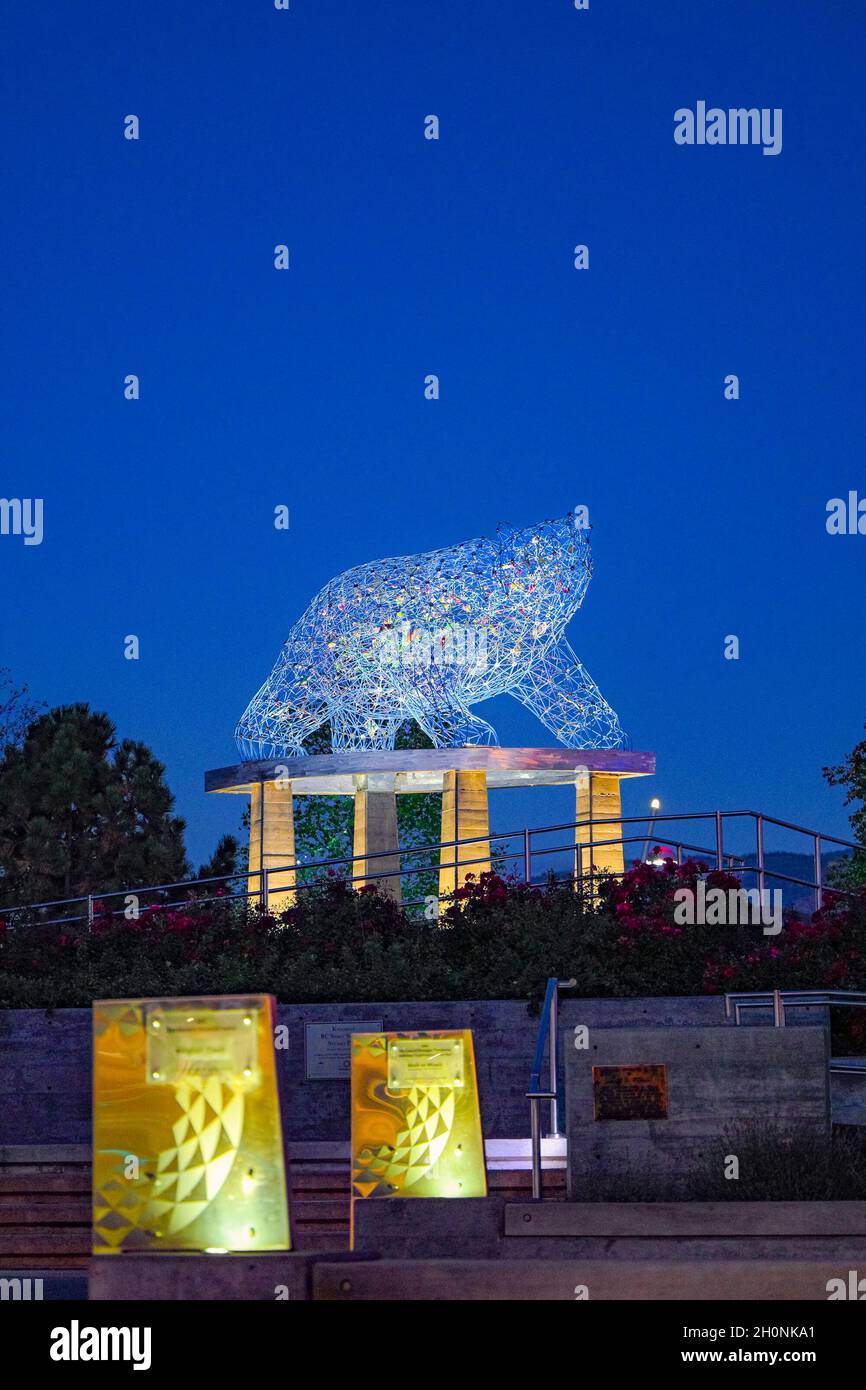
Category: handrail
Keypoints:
(529, 847)
(548, 1034)
(779, 1000)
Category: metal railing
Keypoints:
(780, 1000)
(522, 848)
(724, 858)
(548, 1037)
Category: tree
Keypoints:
(852, 775)
(324, 823)
(16, 711)
(81, 813)
(223, 861)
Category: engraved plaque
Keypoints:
(328, 1047)
(200, 1043)
(424, 1062)
(630, 1093)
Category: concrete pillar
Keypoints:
(376, 831)
(464, 813)
(272, 843)
(597, 795)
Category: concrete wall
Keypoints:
(716, 1078)
(490, 1228)
(45, 1060)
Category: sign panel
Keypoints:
(328, 1047)
(416, 1122)
(206, 1042)
(630, 1093)
(424, 1062)
(187, 1139)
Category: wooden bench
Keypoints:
(44, 1206)
(45, 1199)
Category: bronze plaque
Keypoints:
(630, 1093)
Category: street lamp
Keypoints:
(655, 807)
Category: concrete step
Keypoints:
(352, 1279)
(576, 1280)
(490, 1228)
(671, 1220)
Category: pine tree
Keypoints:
(82, 813)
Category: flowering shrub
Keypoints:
(498, 939)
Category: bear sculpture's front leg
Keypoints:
(278, 719)
(452, 725)
(563, 695)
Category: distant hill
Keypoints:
(795, 866)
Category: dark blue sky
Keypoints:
(454, 257)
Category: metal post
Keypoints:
(649, 836)
(679, 854)
(90, 909)
(553, 1054)
(759, 831)
(819, 883)
(720, 852)
(778, 1009)
(535, 1131)
(527, 856)
(263, 877)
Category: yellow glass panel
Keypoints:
(187, 1139)
(416, 1122)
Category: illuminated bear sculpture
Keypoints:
(424, 637)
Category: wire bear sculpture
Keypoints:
(424, 637)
